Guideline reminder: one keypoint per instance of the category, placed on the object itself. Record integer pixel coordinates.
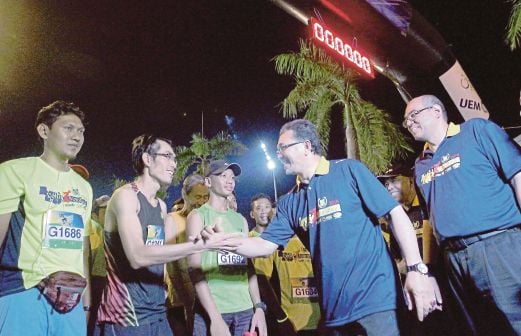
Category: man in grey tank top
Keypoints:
(139, 240)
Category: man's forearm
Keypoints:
(405, 235)
(204, 295)
(255, 247)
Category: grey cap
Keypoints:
(218, 166)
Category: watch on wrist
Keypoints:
(260, 305)
(419, 267)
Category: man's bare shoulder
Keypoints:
(123, 203)
(162, 204)
(124, 198)
(124, 192)
(193, 217)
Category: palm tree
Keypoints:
(323, 87)
(514, 25)
(202, 151)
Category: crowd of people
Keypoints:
(423, 250)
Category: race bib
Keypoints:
(230, 259)
(63, 229)
(155, 235)
(303, 288)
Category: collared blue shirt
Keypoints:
(466, 182)
(336, 217)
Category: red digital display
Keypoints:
(324, 37)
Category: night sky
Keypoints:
(156, 66)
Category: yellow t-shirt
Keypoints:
(299, 294)
(49, 221)
(181, 291)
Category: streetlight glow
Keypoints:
(271, 166)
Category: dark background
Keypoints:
(157, 66)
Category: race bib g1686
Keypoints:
(63, 229)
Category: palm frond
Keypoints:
(513, 37)
(202, 151)
(118, 182)
(380, 141)
(322, 86)
(319, 113)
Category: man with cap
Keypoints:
(400, 185)
(228, 299)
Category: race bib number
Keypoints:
(303, 288)
(63, 229)
(230, 259)
(155, 235)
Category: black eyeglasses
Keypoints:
(281, 148)
(412, 116)
(169, 156)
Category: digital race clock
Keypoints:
(326, 38)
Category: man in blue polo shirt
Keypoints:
(334, 210)
(469, 175)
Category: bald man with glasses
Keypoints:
(470, 178)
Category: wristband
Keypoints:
(283, 320)
(260, 305)
(86, 308)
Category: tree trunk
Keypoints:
(351, 144)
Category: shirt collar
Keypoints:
(322, 169)
(452, 130)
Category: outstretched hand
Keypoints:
(214, 238)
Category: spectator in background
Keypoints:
(294, 307)
(98, 263)
(181, 294)
(232, 201)
(399, 183)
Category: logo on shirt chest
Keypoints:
(68, 197)
(446, 164)
(327, 210)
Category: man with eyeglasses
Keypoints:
(333, 209)
(470, 178)
(139, 240)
